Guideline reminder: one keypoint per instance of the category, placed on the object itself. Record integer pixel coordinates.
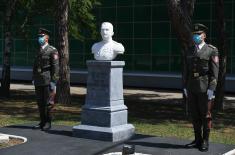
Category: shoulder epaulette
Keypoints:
(211, 46)
(52, 47)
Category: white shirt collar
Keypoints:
(44, 45)
(201, 45)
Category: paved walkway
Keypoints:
(128, 91)
(147, 94)
(59, 141)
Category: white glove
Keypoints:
(185, 92)
(33, 82)
(210, 94)
(53, 86)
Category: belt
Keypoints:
(196, 74)
(46, 69)
(41, 70)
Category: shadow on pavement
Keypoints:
(20, 126)
(60, 132)
(158, 145)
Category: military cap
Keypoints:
(199, 28)
(43, 31)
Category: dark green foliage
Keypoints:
(28, 12)
(80, 16)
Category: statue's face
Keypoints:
(106, 31)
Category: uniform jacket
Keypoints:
(46, 66)
(202, 68)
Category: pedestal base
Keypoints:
(114, 134)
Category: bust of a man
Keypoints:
(107, 49)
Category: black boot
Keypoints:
(47, 126)
(205, 144)
(48, 120)
(197, 142)
(193, 144)
(38, 126)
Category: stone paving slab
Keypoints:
(59, 141)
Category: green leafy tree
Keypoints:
(180, 13)
(79, 17)
(72, 16)
(9, 10)
(222, 46)
(63, 49)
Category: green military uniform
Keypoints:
(202, 74)
(45, 70)
(203, 67)
(46, 66)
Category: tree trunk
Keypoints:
(222, 46)
(63, 90)
(6, 70)
(180, 13)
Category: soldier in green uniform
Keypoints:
(202, 75)
(45, 76)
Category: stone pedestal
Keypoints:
(104, 115)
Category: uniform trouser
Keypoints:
(200, 110)
(42, 95)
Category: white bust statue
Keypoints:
(107, 49)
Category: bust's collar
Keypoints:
(107, 41)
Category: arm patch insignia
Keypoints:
(55, 56)
(215, 59)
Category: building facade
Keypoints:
(143, 27)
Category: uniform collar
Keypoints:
(201, 45)
(44, 46)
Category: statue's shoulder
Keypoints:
(118, 47)
(117, 44)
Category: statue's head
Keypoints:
(106, 31)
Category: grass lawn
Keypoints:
(150, 114)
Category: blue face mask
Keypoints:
(197, 39)
(41, 40)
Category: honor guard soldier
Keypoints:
(45, 76)
(202, 74)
